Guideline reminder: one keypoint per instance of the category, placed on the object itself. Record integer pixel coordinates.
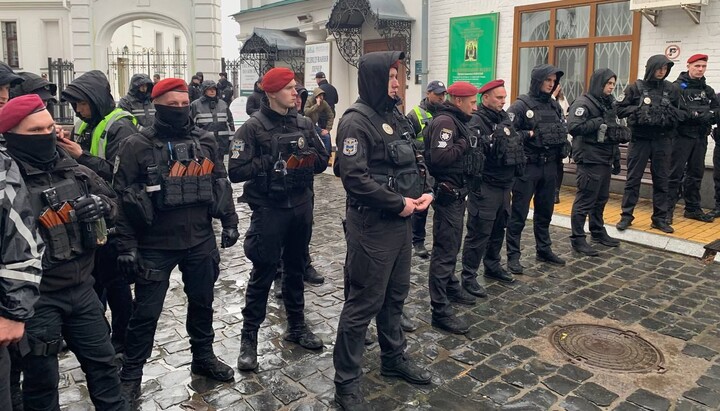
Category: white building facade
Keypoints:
(84, 31)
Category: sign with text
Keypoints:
(473, 49)
(317, 58)
(248, 77)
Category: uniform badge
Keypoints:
(703, 95)
(621, 98)
(237, 148)
(387, 128)
(507, 131)
(301, 143)
(580, 111)
(529, 114)
(511, 116)
(442, 144)
(350, 146)
(647, 100)
(446, 134)
(117, 165)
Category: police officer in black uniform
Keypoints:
(690, 143)
(652, 107)
(277, 153)
(489, 204)
(379, 170)
(453, 157)
(539, 119)
(71, 204)
(100, 130)
(212, 114)
(420, 116)
(596, 132)
(171, 190)
(138, 102)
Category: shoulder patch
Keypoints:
(350, 146)
(621, 97)
(511, 116)
(237, 148)
(446, 134)
(529, 114)
(442, 144)
(580, 111)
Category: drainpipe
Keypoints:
(425, 30)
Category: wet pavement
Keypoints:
(505, 362)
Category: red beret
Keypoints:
(17, 109)
(462, 89)
(276, 78)
(491, 85)
(696, 57)
(168, 84)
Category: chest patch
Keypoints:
(350, 146)
(446, 134)
(529, 114)
(237, 148)
(387, 128)
(580, 111)
(442, 144)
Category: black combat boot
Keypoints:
(549, 257)
(624, 223)
(311, 276)
(130, 390)
(212, 368)
(450, 323)
(514, 266)
(581, 246)
(421, 251)
(301, 334)
(698, 215)
(407, 324)
(407, 370)
(500, 274)
(605, 239)
(352, 401)
(663, 226)
(474, 288)
(247, 361)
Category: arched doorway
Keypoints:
(146, 46)
(95, 21)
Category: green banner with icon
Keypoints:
(473, 48)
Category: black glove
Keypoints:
(90, 208)
(707, 117)
(129, 263)
(229, 236)
(616, 169)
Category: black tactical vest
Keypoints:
(294, 166)
(171, 190)
(398, 170)
(68, 239)
(550, 127)
(696, 101)
(655, 108)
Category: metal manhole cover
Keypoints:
(607, 348)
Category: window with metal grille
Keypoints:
(577, 36)
(10, 44)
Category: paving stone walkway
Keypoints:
(505, 361)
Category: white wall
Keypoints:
(43, 31)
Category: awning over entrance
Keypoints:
(266, 46)
(388, 17)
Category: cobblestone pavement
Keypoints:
(504, 362)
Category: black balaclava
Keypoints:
(38, 150)
(172, 121)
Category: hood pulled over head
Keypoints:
(373, 77)
(538, 76)
(655, 63)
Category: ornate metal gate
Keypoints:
(61, 73)
(122, 64)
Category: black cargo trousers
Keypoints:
(378, 273)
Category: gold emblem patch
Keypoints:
(387, 128)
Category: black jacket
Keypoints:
(254, 102)
(361, 146)
(173, 229)
(585, 117)
(446, 144)
(519, 110)
(21, 246)
(64, 274)
(94, 87)
(194, 91)
(225, 90)
(701, 105)
(485, 121)
(251, 155)
(139, 104)
(631, 99)
(331, 94)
